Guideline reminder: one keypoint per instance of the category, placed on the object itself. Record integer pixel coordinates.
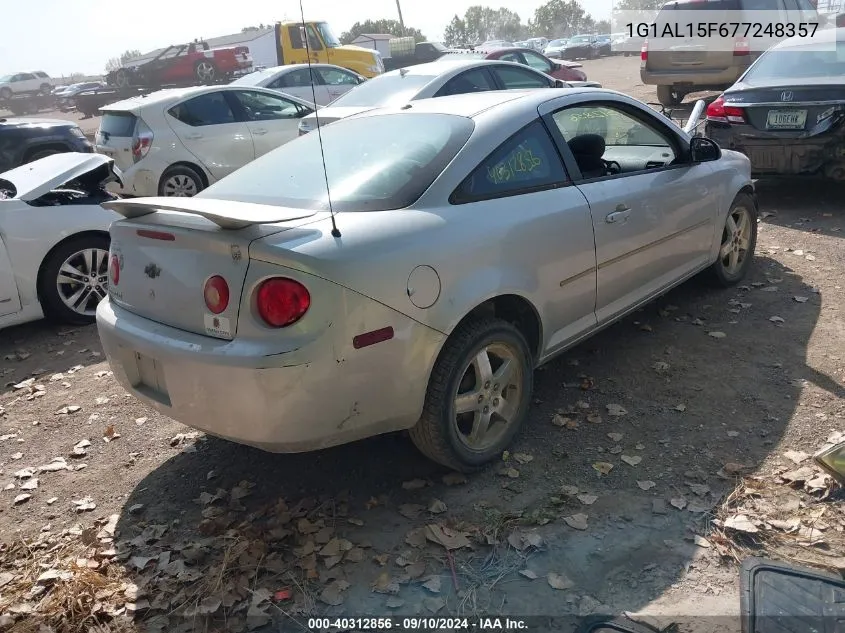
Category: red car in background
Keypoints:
(559, 69)
(186, 64)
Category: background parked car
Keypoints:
(579, 47)
(438, 326)
(176, 142)
(330, 81)
(437, 79)
(559, 69)
(602, 45)
(65, 98)
(54, 240)
(692, 66)
(183, 64)
(23, 140)
(555, 48)
(25, 83)
(787, 111)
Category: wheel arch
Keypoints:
(33, 149)
(185, 163)
(514, 309)
(40, 277)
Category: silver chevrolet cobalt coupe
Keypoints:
(449, 247)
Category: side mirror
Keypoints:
(703, 150)
(560, 83)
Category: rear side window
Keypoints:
(118, 124)
(525, 163)
(207, 109)
(295, 79)
(516, 78)
(477, 80)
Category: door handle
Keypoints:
(259, 132)
(620, 215)
(193, 137)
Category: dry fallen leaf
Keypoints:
(800, 299)
(631, 460)
(523, 458)
(559, 581)
(576, 521)
(527, 573)
(701, 541)
(448, 538)
(587, 499)
(21, 498)
(411, 510)
(616, 437)
(796, 456)
(741, 523)
(699, 489)
(646, 485)
(512, 473)
(432, 584)
(437, 506)
(563, 421)
(616, 410)
(416, 537)
(717, 334)
(681, 407)
(678, 502)
(385, 584)
(603, 468)
(454, 479)
(594, 418)
(415, 484)
(776, 319)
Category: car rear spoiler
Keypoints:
(226, 214)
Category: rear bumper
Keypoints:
(819, 155)
(311, 397)
(702, 79)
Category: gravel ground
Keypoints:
(614, 499)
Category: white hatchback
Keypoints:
(321, 83)
(177, 142)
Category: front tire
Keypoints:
(739, 241)
(74, 280)
(478, 395)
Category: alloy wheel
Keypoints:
(83, 280)
(180, 186)
(736, 239)
(488, 396)
(205, 71)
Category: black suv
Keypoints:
(24, 140)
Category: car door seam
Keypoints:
(645, 247)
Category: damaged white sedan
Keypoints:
(467, 240)
(54, 238)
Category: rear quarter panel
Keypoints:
(735, 171)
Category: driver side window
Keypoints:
(606, 140)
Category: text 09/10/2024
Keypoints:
(417, 624)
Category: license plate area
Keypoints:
(149, 378)
(791, 119)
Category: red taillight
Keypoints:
(282, 302)
(741, 47)
(114, 268)
(718, 111)
(644, 51)
(216, 293)
(156, 235)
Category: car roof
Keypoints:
(825, 36)
(171, 95)
(432, 69)
(470, 105)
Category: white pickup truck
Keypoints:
(36, 82)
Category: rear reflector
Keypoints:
(114, 267)
(216, 294)
(644, 51)
(156, 235)
(371, 338)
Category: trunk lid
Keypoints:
(789, 110)
(167, 249)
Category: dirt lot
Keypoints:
(624, 493)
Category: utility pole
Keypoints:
(401, 21)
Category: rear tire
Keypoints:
(180, 182)
(445, 436)
(668, 96)
(74, 256)
(739, 239)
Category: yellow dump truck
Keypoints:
(323, 47)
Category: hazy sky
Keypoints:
(66, 36)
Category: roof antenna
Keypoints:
(335, 230)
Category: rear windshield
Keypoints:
(376, 163)
(799, 62)
(383, 91)
(118, 124)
